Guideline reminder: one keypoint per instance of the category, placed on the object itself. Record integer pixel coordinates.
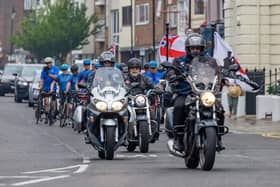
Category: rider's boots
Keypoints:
(220, 145)
(179, 138)
(46, 118)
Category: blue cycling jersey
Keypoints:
(73, 81)
(62, 80)
(84, 75)
(154, 77)
(47, 80)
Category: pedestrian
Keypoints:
(234, 91)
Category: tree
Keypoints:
(56, 29)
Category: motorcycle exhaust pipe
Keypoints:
(172, 151)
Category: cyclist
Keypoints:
(62, 80)
(84, 75)
(71, 86)
(48, 75)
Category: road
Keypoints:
(39, 155)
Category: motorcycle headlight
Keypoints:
(22, 83)
(140, 101)
(101, 106)
(117, 106)
(208, 99)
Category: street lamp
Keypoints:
(13, 16)
(70, 41)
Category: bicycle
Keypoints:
(39, 109)
(63, 117)
(52, 110)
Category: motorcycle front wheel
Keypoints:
(109, 142)
(207, 153)
(143, 136)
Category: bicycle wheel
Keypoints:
(62, 119)
(51, 112)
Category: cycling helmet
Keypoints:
(87, 61)
(146, 66)
(74, 68)
(134, 63)
(64, 67)
(48, 60)
(153, 64)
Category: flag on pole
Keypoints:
(221, 50)
(176, 47)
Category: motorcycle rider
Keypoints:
(48, 76)
(135, 76)
(194, 46)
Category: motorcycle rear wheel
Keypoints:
(207, 153)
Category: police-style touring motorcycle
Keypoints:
(107, 115)
(201, 120)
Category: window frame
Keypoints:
(126, 16)
(146, 14)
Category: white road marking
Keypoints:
(86, 160)
(3, 184)
(153, 155)
(40, 180)
(81, 167)
(21, 177)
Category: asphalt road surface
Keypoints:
(39, 155)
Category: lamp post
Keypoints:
(131, 31)
(154, 31)
(190, 14)
(71, 18)
(13, 16)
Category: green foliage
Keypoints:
(56, 29)
(272, 90)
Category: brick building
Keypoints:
(11, 11)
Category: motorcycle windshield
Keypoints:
(203, 74)
(108, 78)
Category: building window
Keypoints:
(126, 16)
(142, 14)
(199, 7)
(172, 16)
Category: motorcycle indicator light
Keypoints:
(140, 101)
(208, 99)
(117, 106)
(101, 106)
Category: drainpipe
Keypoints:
(258, 17)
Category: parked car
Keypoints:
(34, 89)
(7, 82)
(22, 82)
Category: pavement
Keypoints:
(250, 125)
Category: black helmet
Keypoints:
(106, 57)
(74, 68)
(134, 63)
(194, 40)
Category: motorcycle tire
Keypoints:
(208, 152)
(143, 136)
(131, 147)
(109, 143)
(101, 154)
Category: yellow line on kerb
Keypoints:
(271, 135)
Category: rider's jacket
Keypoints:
(154, 77)
(179, 85)
(47, 80)
(144, 82)
(62, 80)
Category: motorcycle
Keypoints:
(201, 121)
(107, 115)
(141, 129)
(79, 114)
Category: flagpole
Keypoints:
(167, 44)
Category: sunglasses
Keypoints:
(198, 48)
